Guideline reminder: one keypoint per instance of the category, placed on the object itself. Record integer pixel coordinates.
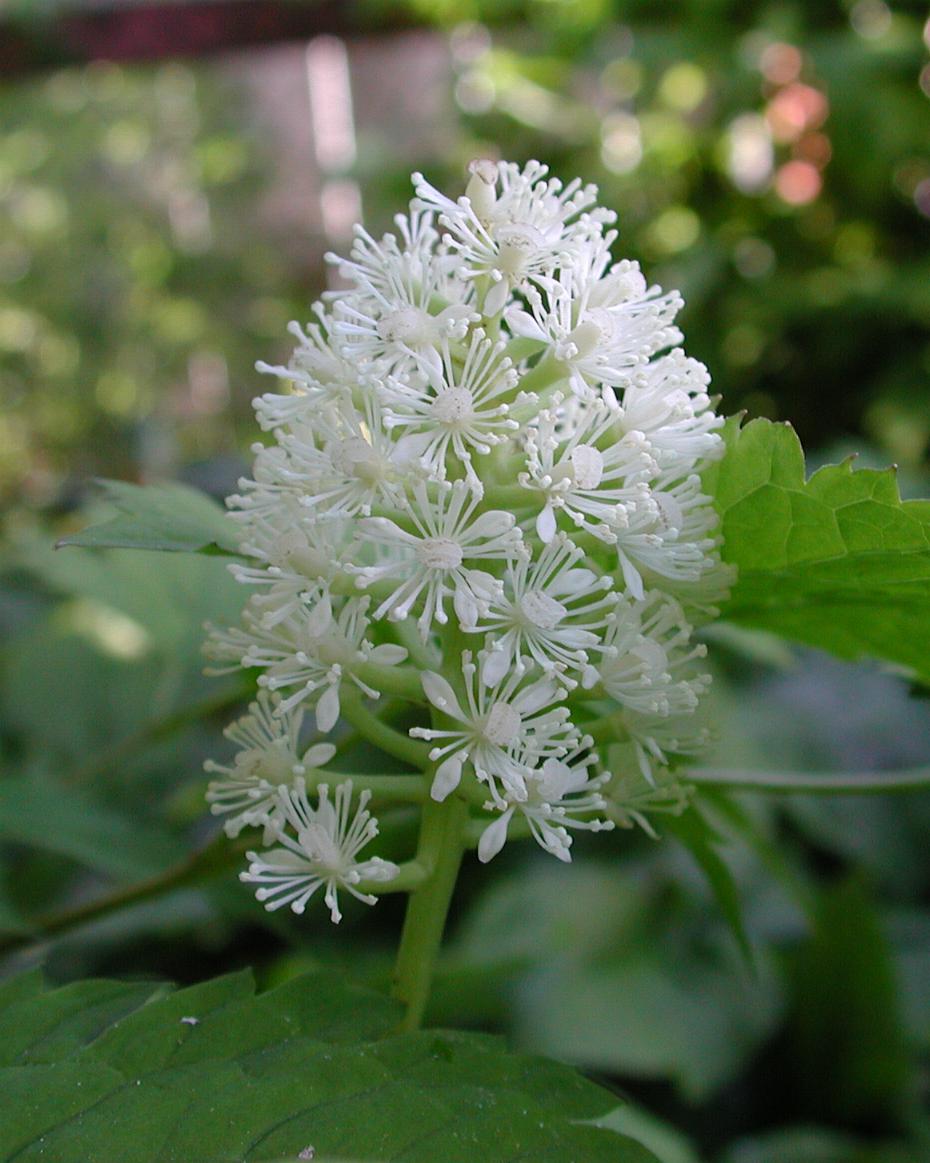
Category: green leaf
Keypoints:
(146, 1074)
(850, 1063)
(693, 830)
(838, 561)
(169, 516)
(71, 822)
(636, 983)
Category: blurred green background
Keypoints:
(160, 223)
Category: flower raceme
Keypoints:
(476, 538)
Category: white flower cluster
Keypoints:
(481, 497)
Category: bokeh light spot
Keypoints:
(795, 109)
(797, 183)
(622, 146)
(749, 153)
(922, 197)
(753, 258)
(781, 63)
(683, 86)
(870, 18)
(674, 230)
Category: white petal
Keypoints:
(634, 582)
(318, 754)
(411, 447)
(495, 299)
(432, 361)
(495, 666)
(327, 709)
(492, 524)
(377, 869)
(387, 654)
(537, 696)
(320, 617)
(493, 837)
(466, 608)
(573, 581)
(485, 587)
(545, 525)
(523, 324)
(447, 777)
(441, 695)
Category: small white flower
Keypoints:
(505, 731)
(322, 853)
(667, 401)
(316, 371)
(523, 229)
(296, 558)
(631, 798)
(552, 612)
(595, 477)
(394, 320)
(312, 650)
(344, 461)
(671, 537)
(646, 649)
(560, 794)
(462, 408)
(269, 758)
(434, 560)
(599, 336)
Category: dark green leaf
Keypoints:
(815, 1145)
(631, 984)
(170, 517)
(143, 1074)
(693, 830)
(849, 1057)
(54, 818)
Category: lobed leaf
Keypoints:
(837, 561)
(146, 1074)
(171, 517)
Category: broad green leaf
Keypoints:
(171, 516)
(838, 561)
(71, 822)
(214, 1073)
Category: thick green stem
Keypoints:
(375, 731)
(440, 848)
(411, 874)
(388, 789)
(403, 682)
(544, 376)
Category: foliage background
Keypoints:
(161, 223)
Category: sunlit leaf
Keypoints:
(838, 561)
